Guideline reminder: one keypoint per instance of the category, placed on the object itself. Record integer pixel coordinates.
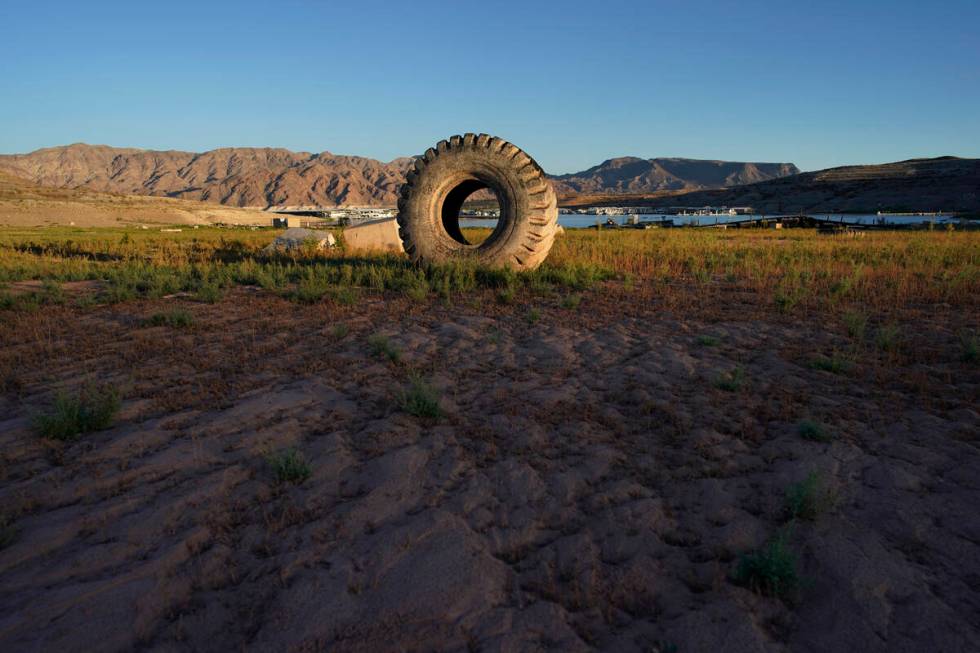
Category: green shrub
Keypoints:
(344, 296)
(506, 296)
(289, 466)
(177, 318)
(807, 499)
(572, 301)
(810, 430)
(970, 347)
(209, 293)
(71, 416)
(888, 337)
(7, 532)
(708, 341)
(418, 292)
(857, 324)
(309, 290)
(836, 364)
(382, 347)
(732, 381)
(421, 399)
(770, 571)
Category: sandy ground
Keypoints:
(588, 487)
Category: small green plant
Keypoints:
(289, 466)
(836, 364)
(807, 499)
(708, 341)
(787, 300)
(7, 531)
(421, 399)
(732, 381)
(506, 296)
(177, 318)
(770, 571)
(382, 347)
(888, 338)
(344, 296)
(340, 331)
(533, 316)
(970, 347)
(72, 416)
(810, 430)
(209, 293)
(309, 290)
(418, 292)
(857, 324)
(572, 301)
(51, 292)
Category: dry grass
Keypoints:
(793, 272)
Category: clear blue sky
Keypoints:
(816, 83)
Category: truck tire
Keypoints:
(443, 177)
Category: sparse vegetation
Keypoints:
(506, 296)
(339, 331)
(418, 292)
(74, 415)
(572, 301)
(209, 293)
(344, 296)
(7, 531)
(888, 338)
(382, 347)
(771, 571)
(856, 323)
(176, 318)
(836, 364)
(533, 315)
(970, 347)
(810, 430)
(732, 381)
(708, 341)
(807, 499)
(421, 399)
(289, 466)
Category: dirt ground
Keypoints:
(589, 486)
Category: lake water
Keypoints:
(576, 221)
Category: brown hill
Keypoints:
(262, 177)
(634, 175)
(23, 203)
(940, 184)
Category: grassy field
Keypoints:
(791, 271)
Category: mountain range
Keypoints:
(917, 185)
(260, 177)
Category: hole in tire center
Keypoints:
(471, 212)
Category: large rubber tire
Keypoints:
(443, 177)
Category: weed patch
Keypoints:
(771, 571)
(421, 399)
(732, 381)
(289, 466)
(810, 430)
(176, 318)
(382, 347)
(71, 416)
(807, 499)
